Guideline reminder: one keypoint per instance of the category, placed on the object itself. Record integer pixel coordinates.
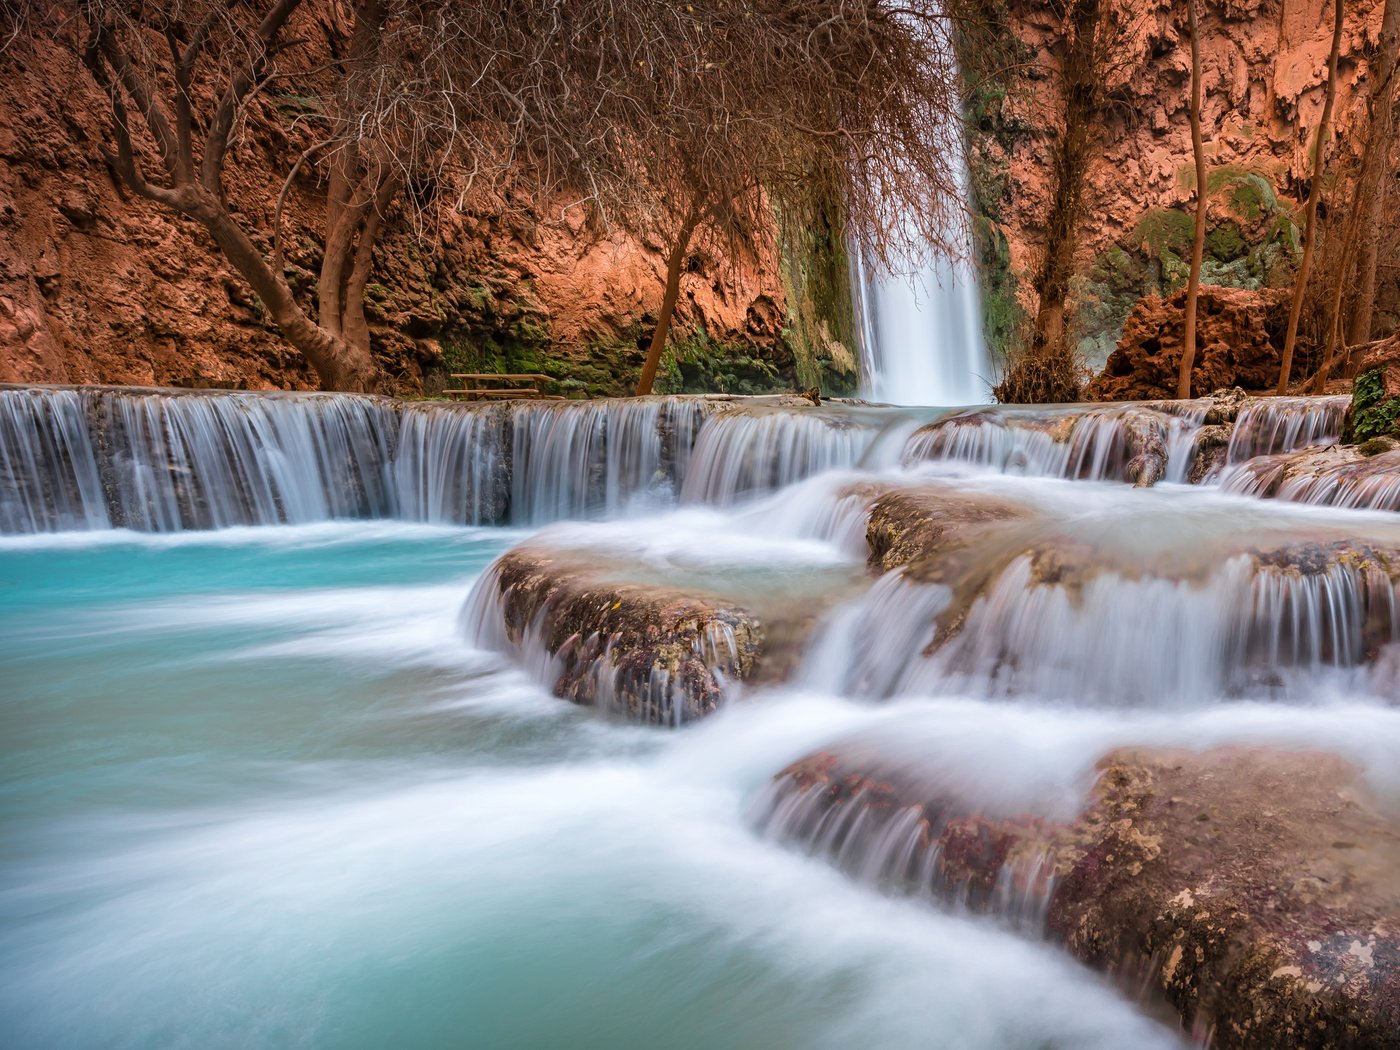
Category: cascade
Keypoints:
(1282, 424)
(742, 454)
(911, 643)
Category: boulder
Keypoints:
(652, 653)
(1255, 890)
(1239, 343)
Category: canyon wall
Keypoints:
(1264, 68)
(100, 286)
(97, 285)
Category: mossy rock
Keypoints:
(1373, 414)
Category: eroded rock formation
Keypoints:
(1254, 890)
(1239, 342)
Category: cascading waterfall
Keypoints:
(228, 752)
(1281, 424)
(920, 331)
(1114, 443)
(164, 461)
(738, 455)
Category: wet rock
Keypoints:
(652, 653)
(926, 523)
(1365, 476)
(1255, 891)
(1239, 341)
(1211, 450)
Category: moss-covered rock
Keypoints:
(1375, 396)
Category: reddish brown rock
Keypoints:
(1240, 340)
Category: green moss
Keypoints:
(697, 363)
(1164, 231)
(1226, 243)
(1373, 415)
(818, 334)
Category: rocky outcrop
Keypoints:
(1239, 343)
(1254, 890)
(1264, 67)
(652, 653)
(918, 524)
(1365, 476)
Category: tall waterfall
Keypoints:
(921, 338)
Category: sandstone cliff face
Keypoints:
(99, 286)
(1264, 64)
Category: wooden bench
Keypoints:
(529, 393)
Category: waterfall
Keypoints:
(920, 323)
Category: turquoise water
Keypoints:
(259, 791)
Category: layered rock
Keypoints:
(1365, 477)
(654, 654)
(1254, 890)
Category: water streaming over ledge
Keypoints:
(161, 461)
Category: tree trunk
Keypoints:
(339, 365)
(1371, 202)
(1300, 285)
(674, 264)
(1082, 119)
(1198, 245)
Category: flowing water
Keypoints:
(266, 786)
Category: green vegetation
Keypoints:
(1373, 415)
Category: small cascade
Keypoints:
(1283, 424)
(1136, 443)
(742, 454)
(1343, 480)
(195, 462)
(452, 467)
(49, 477)
(897, 826)
(596, 458)
(1055, 623)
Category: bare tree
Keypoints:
(1198, 244)
(1300, 285)
(1380, 139)
(391, 106)
(700, 120)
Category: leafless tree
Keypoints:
(388, 106)
(1198, 243)
(1362, 226)
(1300, 285)
(667, 118)
(681, 120)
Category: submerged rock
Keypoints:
(1255, 890)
